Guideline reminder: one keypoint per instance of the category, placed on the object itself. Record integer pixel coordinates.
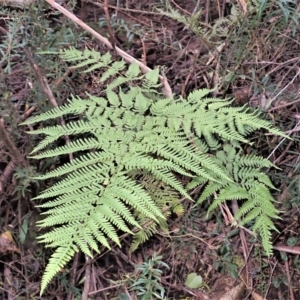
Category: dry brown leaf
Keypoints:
(7, 235)
(234, 293)
(257, 296)
(6, 244)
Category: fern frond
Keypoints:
(147, 232)
(114, 69)
(211, 188)
(246, 174)
(166, 199)
(197, 95)
(84, 181)
(170, 179)
(197, 181)
(77, 127)
(230, 192)
(92, 158)
(58, 260)
(255, 161)
(87, 57)
(186, 158)
(75, 146)
(148, 163)
(129, 145)
(255, 123)
(75, 106)
(264, 226)
(44, 143)
(134, 195)
(250, 185)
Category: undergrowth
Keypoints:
(222, 168)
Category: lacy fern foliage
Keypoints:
(249, 184)
(129, 140)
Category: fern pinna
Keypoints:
(130, 131)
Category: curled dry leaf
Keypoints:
(6, 244)
(235, 293)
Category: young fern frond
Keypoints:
(124, 171)
(250, 185)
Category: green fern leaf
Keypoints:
(74, 107)
(114, 69)
(58, 260)
(128, 147)
(75, 146)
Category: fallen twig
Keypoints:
(167, 91)
(8, 143)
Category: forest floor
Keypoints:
(243, 50)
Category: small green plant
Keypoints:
(225, 263)
(130, 141)
(24, 177)
(147, 285)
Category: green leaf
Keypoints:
(133, 70)
(123, 296)
(292, 241)
(153, 76)
(23, 230)
(193, 281)
(232, 269)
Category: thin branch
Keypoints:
(17, 156)
(5, 177)
(167, 91)
(87, 282)
(111, 33)
(46, 90)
